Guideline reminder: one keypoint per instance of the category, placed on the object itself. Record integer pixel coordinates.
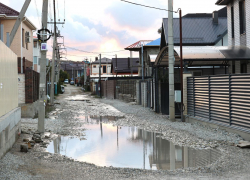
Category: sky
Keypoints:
(107, 25)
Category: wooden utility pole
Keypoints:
(52, 89)
(42, 94)
(18, 21)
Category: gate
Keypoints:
(165, 98)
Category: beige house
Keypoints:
(22, 44)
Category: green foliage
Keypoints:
(63, 75)
(59, 91)
(82, 79)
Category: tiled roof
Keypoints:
(7, 10)
(123, 65)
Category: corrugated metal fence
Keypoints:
(8, 80)
(223, 99)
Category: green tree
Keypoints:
(63, 75)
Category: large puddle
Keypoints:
(108, 145)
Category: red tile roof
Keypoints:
(7, 10)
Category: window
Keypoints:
(242, 17)
(27, 47)
(35, 44)
(35, 60)
(104, 69)
(232, 21)
(23, 38)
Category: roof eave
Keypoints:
(223, 2)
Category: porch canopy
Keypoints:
(204, 55)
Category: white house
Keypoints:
(238, 16)
(36, 54)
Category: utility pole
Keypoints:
(100, 83)
(171, 61)
(131, 61)
(42, 95)
(52, 90)
(142, 65)
(18, 21)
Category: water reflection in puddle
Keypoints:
(108, 145)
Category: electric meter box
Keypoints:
(44, 47)
(178, 96)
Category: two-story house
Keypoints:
(238, 15)
(22, 44)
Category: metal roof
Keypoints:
(204, 55)
(124, 63)
(197, 31)
(138, 44)
(221, 13)
(156, 42)
(223, 2)
(103, 61)
(7, 10)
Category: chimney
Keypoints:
(215, 17)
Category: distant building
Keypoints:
(125, 66)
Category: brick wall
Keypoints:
(31, 86)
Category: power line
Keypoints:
(149, 6)
(37, 14)
(93, 52)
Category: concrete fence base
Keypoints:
(10, 126)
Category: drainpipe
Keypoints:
(22, 47)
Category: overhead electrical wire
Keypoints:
(40, 23)
(149, 6)
(93, 52)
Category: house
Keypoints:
(223, 100)
(36, 54)
(22, 44)
(238, 31)
(105, 67)
(10, 113)
(125, 66)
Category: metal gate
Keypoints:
(165, 98)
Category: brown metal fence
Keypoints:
(221, 99)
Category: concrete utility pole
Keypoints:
(100, 83)
(18, 21)
(85, 73)
(131, 61)
(52, 90)
(42, 94)
(142, 64)
(171, 61)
